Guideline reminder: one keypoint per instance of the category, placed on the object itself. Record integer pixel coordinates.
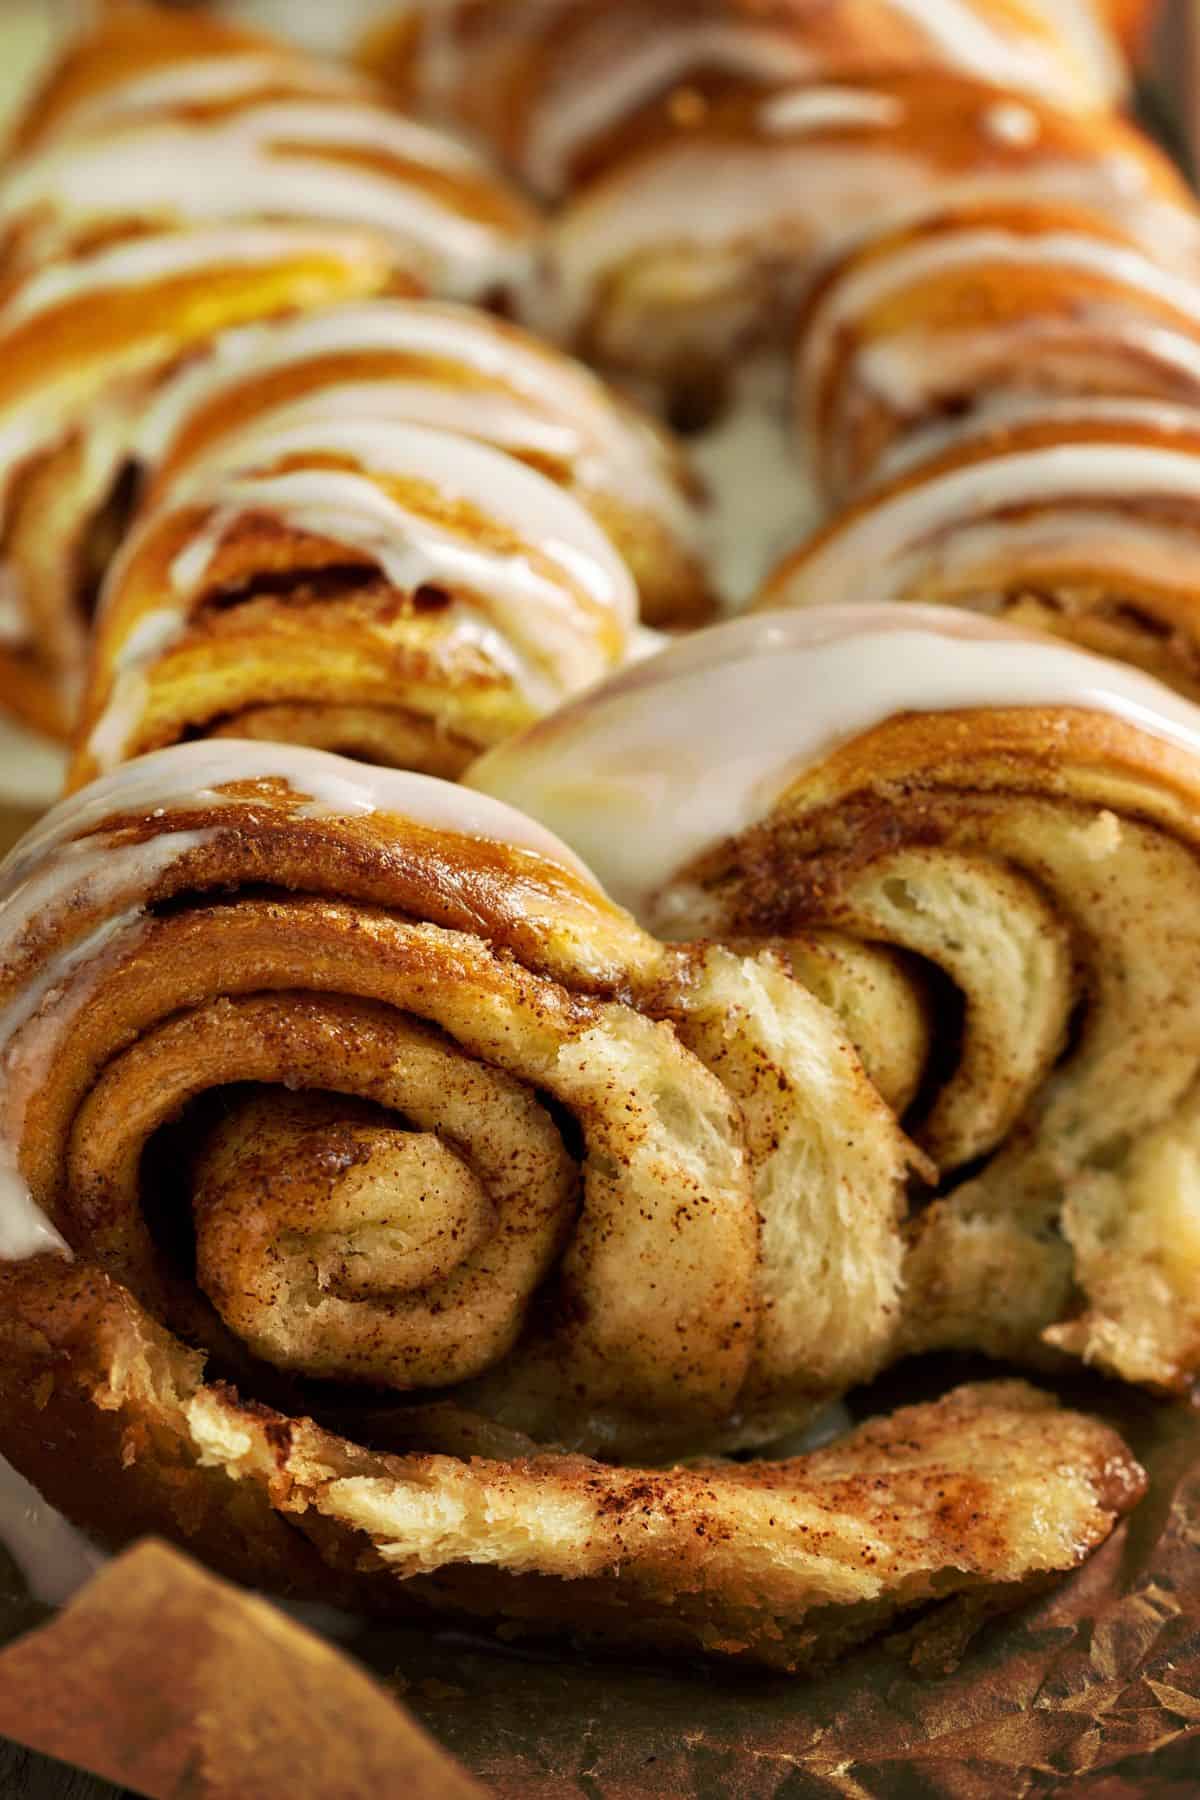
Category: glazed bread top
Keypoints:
(632, 774)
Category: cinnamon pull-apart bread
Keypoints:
(1077, 516)
(129, 133)
(173, 180)
(696, 241)
(554, 83)
(1016, 822)
(389, 590)
(82, 344)
(367, 1172)
(950, 321)
(458, 369)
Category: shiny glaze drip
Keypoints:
(673, 757)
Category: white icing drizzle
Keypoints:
(879, 551)
(51, 400)
(828, 108)
(545, 404)
(899, 370)
(358, 124)
(33, 1028)
(679, 753)
(1009, 412)
(235, 75)
(267, 161)
(25, 1230)
(864, 287)
(986, 47)
(147, 643)
(488, 415)
(57, 871)
(38, 1016)
(188, 776)
(526, 503)
(549, 639)
(703, 198)
(800, 195)
(621, 62)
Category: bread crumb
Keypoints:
(1103, 836)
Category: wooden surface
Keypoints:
(24, 1776)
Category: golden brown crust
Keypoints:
(597, 1193)
(286, 618)
(1041, 309)
(648, 278)
(378, 549)
(345, 664)
(341, 1097)
(1067, 1116)
(1108, 563)
(81, 369)
(787, 1564)
(511, 78)
(609, 442)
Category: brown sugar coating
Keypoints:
(563, 86)
(463, 1169)
(110, 285)
(388, 1217)
(1076, 518)
(959, 318)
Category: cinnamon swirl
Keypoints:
(388, 590)
(1021, 819)
(957, 317)
(561, 85)
(1078, 517)
(355, 1185)
(700, 240)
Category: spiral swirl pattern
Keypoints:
(383, 1210)
(1016, 818)
(956, 322)
(1078, 518)
(563, 88)
(158, 1010)
(316, 1082)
